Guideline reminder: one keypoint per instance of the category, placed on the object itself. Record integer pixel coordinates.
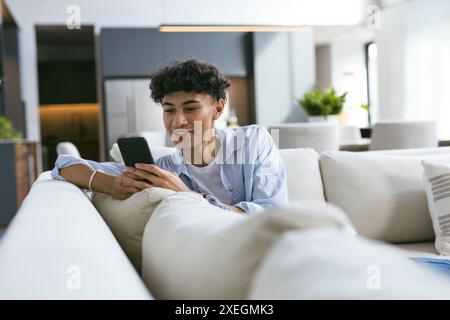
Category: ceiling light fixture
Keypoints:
(230, 28)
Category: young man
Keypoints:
(237, 169)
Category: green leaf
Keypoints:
(365, 107)
(7, 131)
(322, 103)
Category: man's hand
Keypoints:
(161, 178)
(127, 184)
(158, 177)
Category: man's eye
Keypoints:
(169, 111)
(191, 109)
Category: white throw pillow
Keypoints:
(127, 218)
(193, 250)
(436, 177)
(325, 264)
(303, 174)
(383, 194)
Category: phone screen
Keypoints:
(135, 150)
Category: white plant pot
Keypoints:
(330, 119)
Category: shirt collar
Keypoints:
(230, 140)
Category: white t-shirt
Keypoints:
(209, 181)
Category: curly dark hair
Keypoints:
(188, 76)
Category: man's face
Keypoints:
(185, 111)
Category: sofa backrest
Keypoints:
(382, 192)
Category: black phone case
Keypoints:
(135, 150)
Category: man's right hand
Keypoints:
(119, 187)
(127, 184)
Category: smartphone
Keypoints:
(135, 150)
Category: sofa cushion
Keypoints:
(193, 250)
(325, 264)
(437, 184)
(127, 218)
(303, 175)
(383, 194)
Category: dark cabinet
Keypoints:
(11, 104)
(228, 50)
(130, 52)
(134, 52)
(185, 45)
(17, 172)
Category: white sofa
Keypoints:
(58, 246)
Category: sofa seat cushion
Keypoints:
(383, 194)
(193, 250)
(420, 249)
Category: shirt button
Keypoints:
(230, 190)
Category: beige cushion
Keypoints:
(383, 194)
(303, 175)
(437, 184)
(127, 218)
(193, 250)
(325, 264)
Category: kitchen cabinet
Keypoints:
(138, 52)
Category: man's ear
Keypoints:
(219, 107)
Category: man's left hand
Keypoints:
(159, 177)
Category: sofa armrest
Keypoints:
(59, 247)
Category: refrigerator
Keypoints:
(129, 110)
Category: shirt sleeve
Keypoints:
(64, 161)
(269, 187)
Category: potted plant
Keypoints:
(323, 105)
(7, 131)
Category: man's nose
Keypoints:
(179, 119)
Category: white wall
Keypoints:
(284, 70)
(348, 74)
(266, 12)
(414, 62)
(341, 64)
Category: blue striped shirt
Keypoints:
(251, 168)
